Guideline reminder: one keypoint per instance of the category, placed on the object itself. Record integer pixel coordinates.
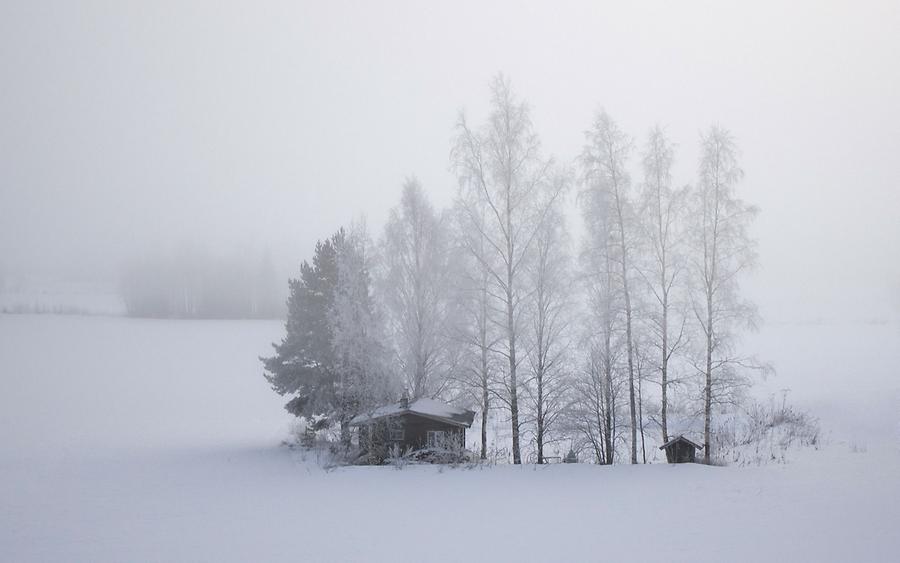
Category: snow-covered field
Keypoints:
(141, 440)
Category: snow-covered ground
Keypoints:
(142, 440)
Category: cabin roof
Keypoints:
(428, 408)
(680, 438)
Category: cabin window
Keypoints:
(435, 438)
(397, 434)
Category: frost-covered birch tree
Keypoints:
(603, 161)
(418, 293)
(722, 249)
(594, 411)
(362, 378)
(662, 267)
(478, 329)
(548, 325)
(500, 168)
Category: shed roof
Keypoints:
(429, 408)
(680, 438)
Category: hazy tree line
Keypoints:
(607, 344)
(192, 283)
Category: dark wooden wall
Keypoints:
(415, 433)
(416, 430)
(679, 452)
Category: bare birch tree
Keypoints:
(548, 323)
(597, 391)
(417, 291)
(603, 162)
(722, 249)
(477, 330)
(662, 221)
(500, 167)
(594, 409)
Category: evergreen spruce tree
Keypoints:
(304, 362)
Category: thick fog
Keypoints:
(132, 129)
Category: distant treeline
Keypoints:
(198, 285)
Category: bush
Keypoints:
(764, 433)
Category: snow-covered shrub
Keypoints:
(397, 458)
(315, 439)
(858, 446)
(297, 433)
(308, 431)
(446, 448)
(763, 433)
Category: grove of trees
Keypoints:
(607, 346)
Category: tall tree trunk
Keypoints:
(663, 247)
(513, 385)
(712, 260)
(484, 419)
(482, 320)
(419, 388)
(629, 350)
(609, 403)
(540, 416)
(540, 352)
(511, 327)
(707, 395)
(485, 397)
(641, 416)
(419, 384)
(628, 337)
(664, 382)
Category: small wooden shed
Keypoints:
(412, 426)
(680, 450)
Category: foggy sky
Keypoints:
(130, 126)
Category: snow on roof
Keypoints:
(680, 438)
(423, 407)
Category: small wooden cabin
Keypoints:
(412, 426)
(680, 450)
